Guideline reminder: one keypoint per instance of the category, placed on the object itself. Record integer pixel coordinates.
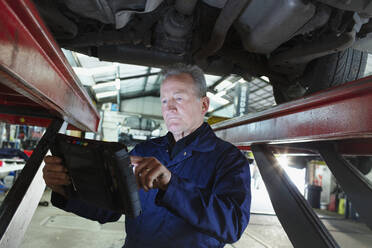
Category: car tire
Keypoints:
(325, 72)
(335, 69)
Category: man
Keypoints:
(195, 187)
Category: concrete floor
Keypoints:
(51, 227)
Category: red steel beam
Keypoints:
(342, 113)
(32, 64)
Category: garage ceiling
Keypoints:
(105, 79)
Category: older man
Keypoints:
(195, 187)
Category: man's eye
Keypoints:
(178, 98)
(163, 101)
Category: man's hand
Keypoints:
(55, 174)
(150, 173)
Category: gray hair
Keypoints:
(194, 71)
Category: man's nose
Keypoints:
(171, 104)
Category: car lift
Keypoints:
(330, 123)
(38, 87)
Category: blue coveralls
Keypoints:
(206, 204)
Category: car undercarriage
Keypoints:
(301, 46)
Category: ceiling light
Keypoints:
(224, 84)
(107, 94)
(221, 93)
(218, 99)
(264, 78)
(104, 85)
(242, 81)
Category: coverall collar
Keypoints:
(202, 143)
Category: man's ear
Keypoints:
(205, 104)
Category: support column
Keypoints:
(352, 181)
(242, 99)
(20, 204)
(302, 225)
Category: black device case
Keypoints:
(101, 173)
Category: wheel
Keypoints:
(335, 69)
(325, 72)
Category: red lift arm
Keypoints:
(36, 80)
(37, 84)
(343, 113)
(331, 123)
(37, 87)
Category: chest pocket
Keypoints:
(197, 168)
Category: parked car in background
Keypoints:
(137, 129)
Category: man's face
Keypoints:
(183, 111)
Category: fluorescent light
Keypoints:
(221, 93)
(223, 85)
(104, 85)
(103, 70)
(107, 94)
(82, 71)
(217, 99)
(265, 78)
